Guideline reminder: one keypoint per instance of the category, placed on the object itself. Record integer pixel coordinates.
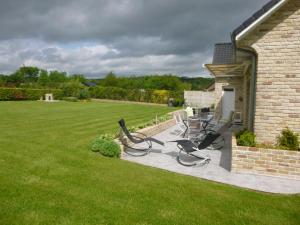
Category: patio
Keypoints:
(218, 169)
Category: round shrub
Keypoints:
(288, 140)
(106, 146)
(246, 138)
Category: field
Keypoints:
(49, 176)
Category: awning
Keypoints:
(219, 70)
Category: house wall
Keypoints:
(235, 82)
(277, 43)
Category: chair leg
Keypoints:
(202, 160)
(141, 151)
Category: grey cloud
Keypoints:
(129, 28)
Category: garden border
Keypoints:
(272, 162)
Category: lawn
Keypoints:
(49, 176)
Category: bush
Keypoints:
(83, 94)
(106, 146)
(246, 138)
(178, 102)
(288, 140)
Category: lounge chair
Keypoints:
(137, 138)
(189, 148)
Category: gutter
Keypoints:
(252, 82)
(260, 20)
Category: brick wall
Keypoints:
(277, 43)
(279, 163)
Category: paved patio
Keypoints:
(218, 169)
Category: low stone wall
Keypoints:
(279, 163)
(156, 129)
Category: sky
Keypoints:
(128, 37)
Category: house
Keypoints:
(258, 74)
(89, 84)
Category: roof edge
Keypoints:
(260, 20)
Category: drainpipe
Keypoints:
(252, 81)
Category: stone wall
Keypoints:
(156, 129)
(277, 43)
(278, 163)
(235, 82)
(199, 99)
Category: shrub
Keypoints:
(178, 102)
(246, 138)
(288, 140)
(83, 94)
(106, 146)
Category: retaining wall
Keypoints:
(278, 163)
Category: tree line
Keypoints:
(155, 82)
(34, 77)
(28, 83)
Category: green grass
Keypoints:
(49, 176)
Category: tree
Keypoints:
(57, 77)
(2, 80)
(30, 73)
(16, 78)
(110, 80)
(43, 79)
(78, 77)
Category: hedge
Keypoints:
(10, 94)
(115, 93)
(153, 96)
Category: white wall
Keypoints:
(199, 99)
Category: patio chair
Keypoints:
(188, 148)
(209, 127)
(194, 126)
(181, 125)
(137, 138)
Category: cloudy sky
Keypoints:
(128, 37)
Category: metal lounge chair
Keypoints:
(188, 148)
(137, 138)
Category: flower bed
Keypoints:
(273, 162)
